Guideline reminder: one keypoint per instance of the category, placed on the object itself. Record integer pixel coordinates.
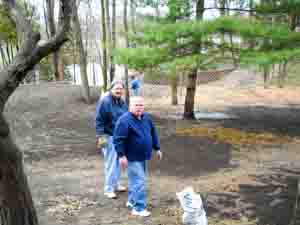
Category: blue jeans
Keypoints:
(112, 168)
(137, 184)
(136, 92)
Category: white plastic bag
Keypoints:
(192, 205)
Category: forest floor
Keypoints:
(245, 168)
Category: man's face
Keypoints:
(137, 105)
(117, 90)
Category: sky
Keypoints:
(95, 5)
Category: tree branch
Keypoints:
(32, 49)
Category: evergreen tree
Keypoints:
(193, 45)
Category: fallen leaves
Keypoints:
(234, 136)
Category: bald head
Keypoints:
(136, 106)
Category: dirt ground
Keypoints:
(244, 184)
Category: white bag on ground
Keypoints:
(192, 205)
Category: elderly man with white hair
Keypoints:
(134, 138)
(109, 109)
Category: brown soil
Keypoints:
(246, 184)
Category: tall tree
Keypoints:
(104, 44)
(58, 71)
(109, 36)
(16, 205)
(113, 41)
(192, 76)
(125, 21)
(82, 56)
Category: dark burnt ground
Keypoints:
(55, 130)
(278, 120)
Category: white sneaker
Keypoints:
(129, 204)
(143, 213)
(110, 194)
(121, 188)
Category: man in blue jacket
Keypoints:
(108, 110)
(134, 138)
(135, 86)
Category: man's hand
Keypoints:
(123, 162)
(159, 155)
(101, 142)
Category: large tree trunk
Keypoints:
(104, 45)
(16, 204)
(174, 90)
(190, 95)
(82, 58)
(52, 29)
(192, 76)
(113, 40)
(3, 57)
(282, 74)
(125, 21)
(109, 37)
(132, 15)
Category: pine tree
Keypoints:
(195, 45)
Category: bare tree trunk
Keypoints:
(266, 72)
(222, 13)
(190, 95)
(16, 207)
(132, 15)
(52, 29)
(12, 51)
(3, 57)
(104, 43)
(174, 90)
(8, 52)
(109, 36)
(113, 40)
(282, 74)
(192, 76)
(82, 58)
(125, 20)
(16, 204)
(292, 21)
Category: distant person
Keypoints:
(135, 86)
(109, 108)
(134, 138)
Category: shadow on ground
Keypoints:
(270, 202)
(279, 120)
(191, 156)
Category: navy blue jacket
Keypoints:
(108, 111)
(135, 138)
(135, 84)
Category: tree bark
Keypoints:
(174, 90)
(113, 40)
(266, 72)
(52, 30)
(3, 57)
(104, 45)
(282, 74)
(82, 58)
(190, 95)
(132, 15)
(192, 76)
(109, 37)
(8, 52)
(125, 20)
(16, 204)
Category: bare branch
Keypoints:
(31, 51)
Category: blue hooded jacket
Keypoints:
(108, 111)
(135, 138)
